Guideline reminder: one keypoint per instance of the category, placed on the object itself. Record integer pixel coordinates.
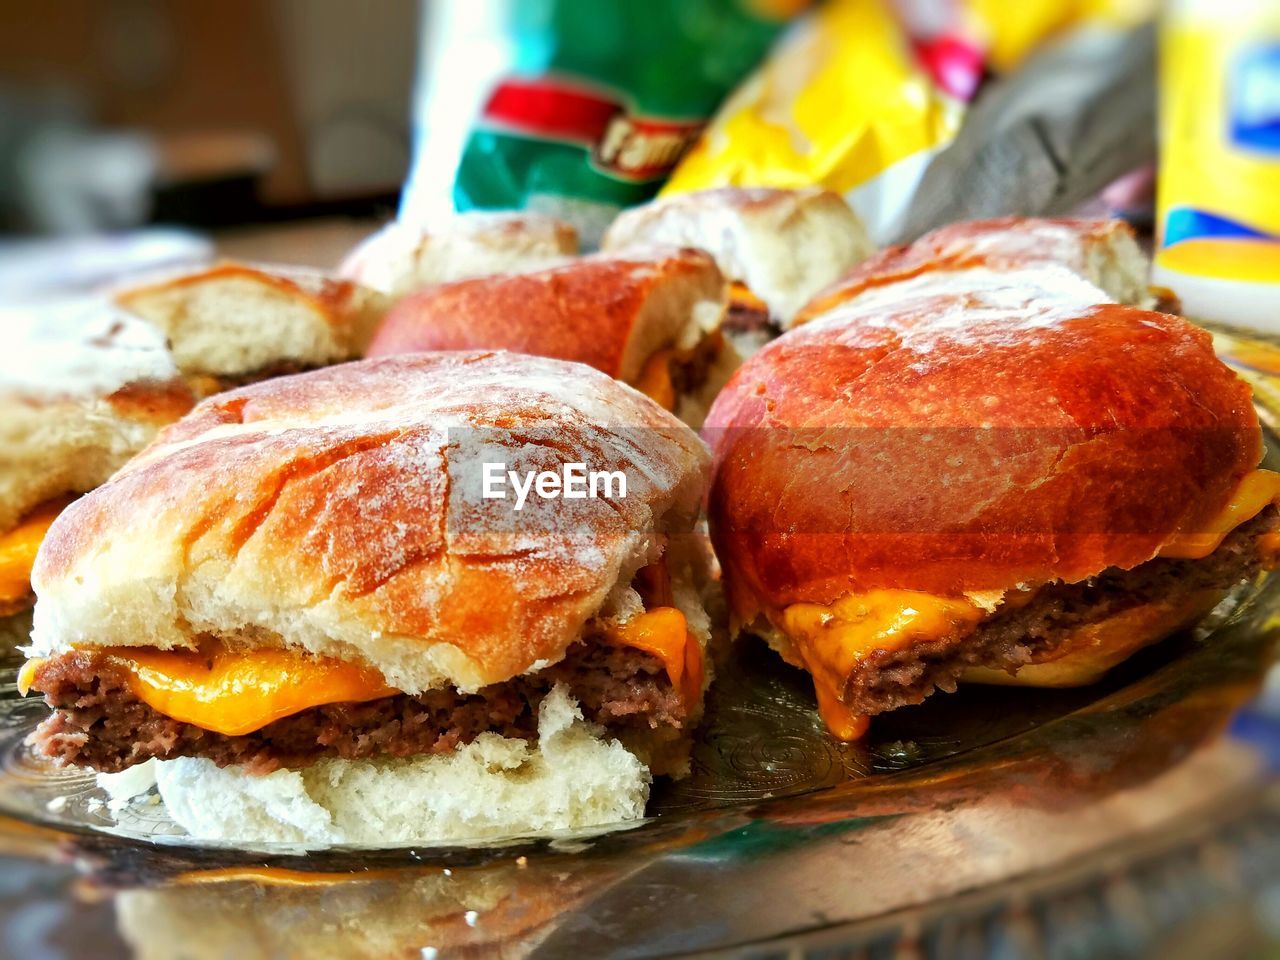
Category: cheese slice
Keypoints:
(664, 632)
(235, 692)
(742, 298)
(831, 640)
(1256, 491)
(18, 549)
(655, 380)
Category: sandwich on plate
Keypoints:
(648, 316)
(82, 389)
(421, 598)
(776, 247)
(1103, 252)
(1008, 482)
(234, 323)
(402, 258)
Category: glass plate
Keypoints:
(779, 830)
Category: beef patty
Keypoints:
(1029, 633)
(98, 721)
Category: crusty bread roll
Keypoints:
(366, 621)
(236, 323)
(83, 388)
(613, 311)
(340, 511)
(782, 245)
(1103, 252)
(402, 258)
(1000, 477)
(570, 778)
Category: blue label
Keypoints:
(1255, 100)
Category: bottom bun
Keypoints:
(492, 787)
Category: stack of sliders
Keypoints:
(777, 247)
(649, 317)
(82, 389)
(306, 601)
(234, 323)
(1000, 476)
(402, 258)
(1104, 252)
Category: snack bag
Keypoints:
(844, 101)
(1010, 30)
(861, 95)
(587, 104)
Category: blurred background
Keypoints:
(142, 134)
(120, 114)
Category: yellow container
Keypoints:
(1219, 199)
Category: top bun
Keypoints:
(237, 320)
(1103, 252)
(83, 387)
(784, 245)
(401, 258)
(341, 511)
(970, 442)
(612, 311)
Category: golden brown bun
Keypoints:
(784, 245)
(968, 443)
(609, 311)
(1104, 252)
(341, 511)
(237, 320)
(83, 387)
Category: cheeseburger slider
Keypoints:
(1009, 484)
(777, 247)
(335, 607)
(232, 323)
(648, 316)
(402, 258)
(1104, 252)
(83, 387)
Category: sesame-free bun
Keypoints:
(83, 387)
(402, 257)
(1103, 252)
(609, 311)
(571, 777)
(340, 511)
(239, 321)
(1011, 433)
(784, 245)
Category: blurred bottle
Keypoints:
(1219, 191)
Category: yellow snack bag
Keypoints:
(843, 101)
(1010, 30)
(860, 95)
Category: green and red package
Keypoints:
(599, 100)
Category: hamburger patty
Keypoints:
(1009, 639)
(100, 723)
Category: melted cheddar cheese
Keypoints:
(664, 633)
(1256, 491)
(832, 640)
(235, 692)
(18, 549)
(655, 380)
